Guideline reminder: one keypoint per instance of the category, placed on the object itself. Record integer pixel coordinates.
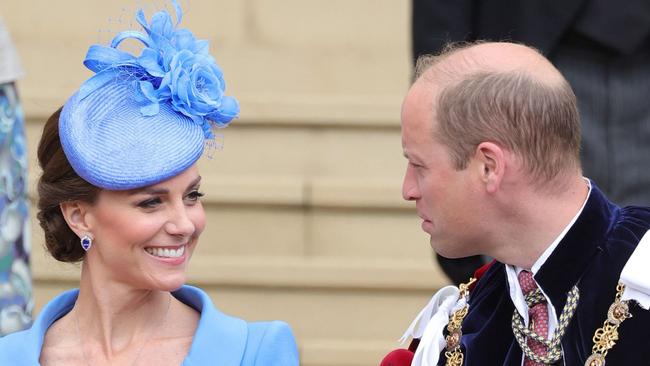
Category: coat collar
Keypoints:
(576, 251)
(53, 311)
(216, 334)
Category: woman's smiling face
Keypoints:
(145, 237)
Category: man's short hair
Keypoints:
(537, 120)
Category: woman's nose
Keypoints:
(180, 223)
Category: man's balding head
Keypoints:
(504, 93)
(461, 59)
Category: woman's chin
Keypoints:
(169, 282)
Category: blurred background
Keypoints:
(305, 217)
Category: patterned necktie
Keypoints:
(538, 318)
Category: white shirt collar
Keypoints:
(547, 253)
(516, 293)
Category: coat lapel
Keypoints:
(573, 255)
(219, 338)
(34, 336)
(577, 253)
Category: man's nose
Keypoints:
(410, 190)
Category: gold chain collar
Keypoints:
(604, 338)
(453, 353)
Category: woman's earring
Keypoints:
(86, 242)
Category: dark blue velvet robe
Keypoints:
(591, 255)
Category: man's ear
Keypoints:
(76, 215)
(491, 165)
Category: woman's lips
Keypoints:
(169, 254)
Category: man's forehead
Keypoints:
(421, 95)
(414, 107)
(417, 113)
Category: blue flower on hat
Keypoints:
(173, 67)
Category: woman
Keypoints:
(120, 191)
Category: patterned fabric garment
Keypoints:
(538, 318)
(16, 300)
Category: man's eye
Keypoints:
(194, 196)
(150, 203)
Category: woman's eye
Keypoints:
(150, 203)
(194, 196)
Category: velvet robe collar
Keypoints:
(591, 255)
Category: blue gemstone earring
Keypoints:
(86, 242)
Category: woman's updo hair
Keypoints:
(59, 183)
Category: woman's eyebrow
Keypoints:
(149, 190)
(155, 190)
(194, 183)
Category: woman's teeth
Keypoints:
(166, 252)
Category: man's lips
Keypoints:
(423, 217)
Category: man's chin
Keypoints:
(449, 251)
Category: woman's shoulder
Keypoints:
(274, 330)
(270, 343)
(237, 341)
(13, 339)
(15, 346)
(24, 347)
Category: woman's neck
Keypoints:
(116, 317)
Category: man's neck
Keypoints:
(535, 221)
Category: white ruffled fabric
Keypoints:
(636, 274)
(10, 69)
(430, 323)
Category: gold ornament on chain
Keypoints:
(454, 332)
(606, 336)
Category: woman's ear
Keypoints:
(491, 165)
(75, 214)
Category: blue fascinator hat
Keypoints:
(143, 119)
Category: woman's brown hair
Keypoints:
(59, 183)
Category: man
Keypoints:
(492, 136)
(601, 48)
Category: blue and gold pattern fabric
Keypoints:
(16, 301)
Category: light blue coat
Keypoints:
(219, 340)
